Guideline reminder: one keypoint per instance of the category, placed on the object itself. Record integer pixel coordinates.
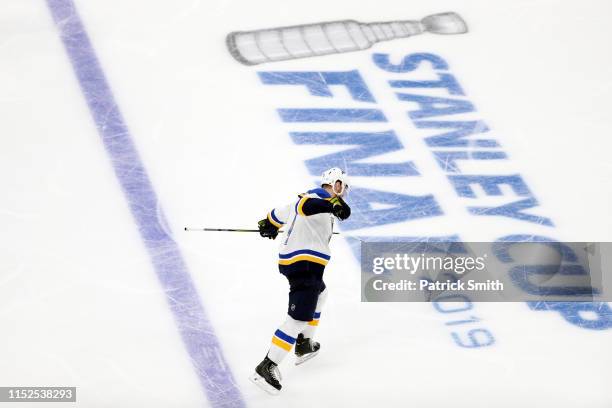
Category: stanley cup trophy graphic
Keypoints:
(312, 40)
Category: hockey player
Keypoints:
(303, 253)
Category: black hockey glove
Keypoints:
(340, 209)
(266, 229)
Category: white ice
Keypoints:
(80, 304)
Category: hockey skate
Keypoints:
(267, 377)
(305, 349)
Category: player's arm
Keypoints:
(269, 226)
(311, 206)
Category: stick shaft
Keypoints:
(230, 230)
(221, 229)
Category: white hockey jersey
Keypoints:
(304, 237)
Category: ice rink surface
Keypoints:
(121, 122)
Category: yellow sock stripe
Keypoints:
(313, 322)
(300, 205)
(302, 258)
(276, 224)
(280, 343)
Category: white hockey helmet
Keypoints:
(335, 174)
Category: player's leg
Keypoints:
(305, 347)
(304, 291)
(311, 328)
(284, 338)
(303, 295)
(267, 375)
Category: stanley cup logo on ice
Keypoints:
(313, 40)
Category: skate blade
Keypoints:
(259, 381)
(305, 358)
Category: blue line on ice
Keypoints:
(194, 326)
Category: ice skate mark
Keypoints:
(203, 347)
(162, 221)
(9, 274)
(18, 214)
(254, 47)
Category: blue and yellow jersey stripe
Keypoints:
(315, 319)
(303, 255)
(283, 340)
(324, 195)
(300, 205)
(274, 220)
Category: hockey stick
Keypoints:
(230, 230)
